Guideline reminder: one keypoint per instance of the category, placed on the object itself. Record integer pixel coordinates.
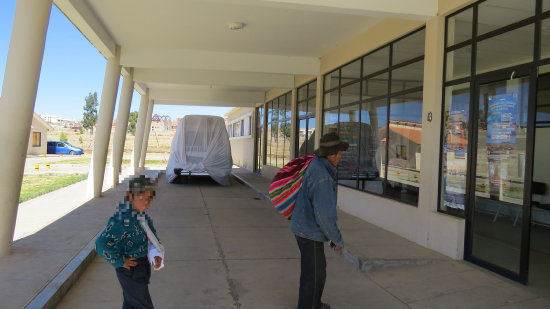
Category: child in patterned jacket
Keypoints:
(129, 242)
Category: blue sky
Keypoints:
(72, 68)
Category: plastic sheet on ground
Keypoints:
(201, 144)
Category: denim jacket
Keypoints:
(314, 216)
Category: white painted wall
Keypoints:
(242, 148)
(38, 126)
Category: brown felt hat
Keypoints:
(330, 144)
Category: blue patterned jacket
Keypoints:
(123, 236)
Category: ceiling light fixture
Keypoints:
(236, 26)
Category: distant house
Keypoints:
(39, 136)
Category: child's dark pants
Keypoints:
(134, 283)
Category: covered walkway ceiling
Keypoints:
(184, 52)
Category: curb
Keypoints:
(58, 287)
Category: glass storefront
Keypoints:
(305, 131)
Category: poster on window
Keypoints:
(501, 139)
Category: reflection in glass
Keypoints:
(349, 132)
(331, 99)
(493, 14)
(409, 47)
(332, 79)
(302, 93)
(302, 108)
(274, 143)
(350, 93)
(268, 142)
(403, 144)
(539, 254)
(310, 141)
(375, 86)
(259, 138)
(373, 132)
(311, 105)
(285, 130)
(500, 166)
(351, 71)
(458, 63)
(407, 77)
(545, 39)
(330, 123)
(454, 153)
(459, 27)
(288, 105)
(376, 61)
(302, 135)
(275, 115)
(508, 49)
(312, 89)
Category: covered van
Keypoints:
(201, 144)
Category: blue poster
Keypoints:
(501, 121)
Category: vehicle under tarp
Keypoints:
(201, 144)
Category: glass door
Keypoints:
(496, 185)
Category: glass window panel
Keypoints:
(288, 106)
(408, 77)
(285, 130)
(409, 47)
(282, 107)
(269, 111)
(376, 61)
(302, 136)
(310, 135)
(312, 89)
(372, 145)
(543, 102)
(268, 145)
(311, 105)
(455, 144)
(351, 72)
(274, 143)
(349, 132)
(494, 14)
(302, 108)
(545, 39)
(459, 27)
(332, 79)
(404, 140)
(330, 121)
(375, 86)
(275, 115)
(458, 63)
(331, 99)
(302, 93)
(350, 93)
(510, 48)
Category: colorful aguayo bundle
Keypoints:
(286, 183)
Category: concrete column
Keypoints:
(104, 124)
(122, 125)
(16, 108)
(140, 129)
(146, 134)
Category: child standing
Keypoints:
(130, 244)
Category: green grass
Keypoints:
(74, 161)
(88, 160)
(36, 185)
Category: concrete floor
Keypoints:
(226, 248)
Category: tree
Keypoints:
(90, 112)
(132, 120)
(63, 137)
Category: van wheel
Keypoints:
(72, 153)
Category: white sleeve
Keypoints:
(154, 251)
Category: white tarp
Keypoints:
(201, 144)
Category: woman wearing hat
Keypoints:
(314, 219)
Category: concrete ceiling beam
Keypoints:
(206, 96)
(218, 78)
(218, 61)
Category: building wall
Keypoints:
(37, 126)
(423, 224)
(242, 148)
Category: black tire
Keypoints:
(72, 153)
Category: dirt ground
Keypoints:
(159, 142)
